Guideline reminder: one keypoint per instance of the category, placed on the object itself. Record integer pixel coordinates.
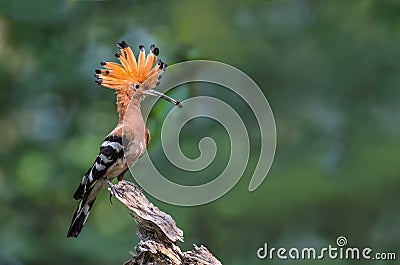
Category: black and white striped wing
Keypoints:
(111, 151)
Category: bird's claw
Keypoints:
(113, 190)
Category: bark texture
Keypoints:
(157, 232)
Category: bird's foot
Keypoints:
(113, 190)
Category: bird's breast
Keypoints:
(134, 134)
(134, 143)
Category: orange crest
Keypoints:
(131, 73)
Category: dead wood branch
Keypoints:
(157, 232)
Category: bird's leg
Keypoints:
(112, 189)
(121, 176)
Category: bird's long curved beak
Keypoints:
(163, 96)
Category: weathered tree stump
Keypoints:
(157, 232)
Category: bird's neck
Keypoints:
(127, 105)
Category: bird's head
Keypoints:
(134, 78)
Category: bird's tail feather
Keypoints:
(79, 218)
(79, 192)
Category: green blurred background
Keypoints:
(331, 73)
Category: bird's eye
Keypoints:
(136, 86)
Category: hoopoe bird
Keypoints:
(132, 80)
